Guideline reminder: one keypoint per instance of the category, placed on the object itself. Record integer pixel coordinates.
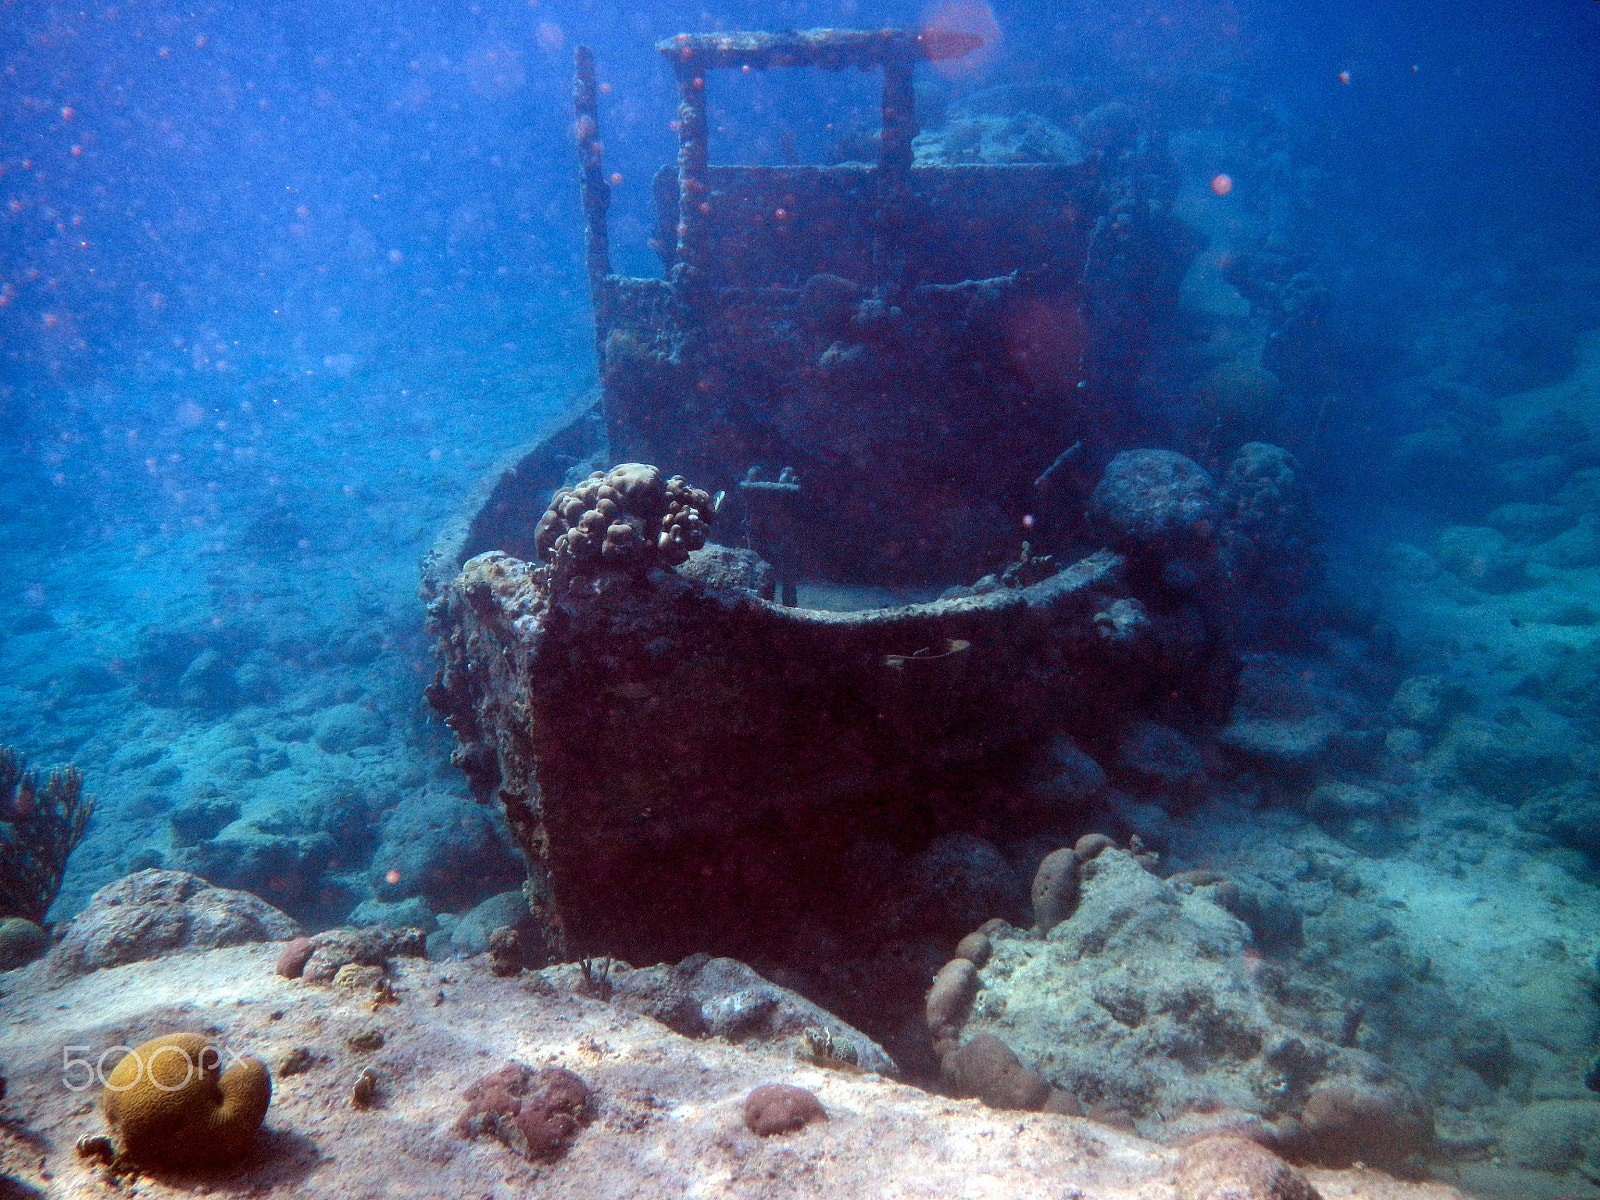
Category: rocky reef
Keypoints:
(1151, 1006)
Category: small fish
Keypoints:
(951, 646)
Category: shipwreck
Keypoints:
(888, 373)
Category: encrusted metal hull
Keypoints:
(693, 766)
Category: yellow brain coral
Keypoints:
(171, 1103)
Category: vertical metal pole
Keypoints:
(899, 116)
(595, 191)
(894, 173)
(694, 187)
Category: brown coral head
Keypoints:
(781, 1108)
(170, 1103)
(623, 521)
(294, 956)
(987, 1068)
(537, 1113)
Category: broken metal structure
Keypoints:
(915, 343)
(853, 354)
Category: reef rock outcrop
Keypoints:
(1151, 1006)
(150, 913)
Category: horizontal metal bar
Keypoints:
(831, 49)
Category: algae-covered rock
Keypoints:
(1529, 523)
(1062, 781)
(151, 913)
(1575, 547)
(21, 941)
(345, 727)
(1288, 718)
(1555, 1136)
(1147, 1005)
(960, 881)
(1513, 756)
(1157, 755)
(471, 933)
(334, 949)
(439, 845)
(731, 567)
(410, 913)
(1157, 500)
(1426, 701)
(1483, 558)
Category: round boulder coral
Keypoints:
(623, 521)
(987, 1068)
(170, 1103)
(781, 1108)
(1156, 501)
(1384, 1123)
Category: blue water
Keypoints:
(277, 288)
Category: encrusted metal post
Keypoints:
(596, 192)
(899, 115)
(694, 187)
(894, 171)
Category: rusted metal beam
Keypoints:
(592, 185)
(831, 49)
